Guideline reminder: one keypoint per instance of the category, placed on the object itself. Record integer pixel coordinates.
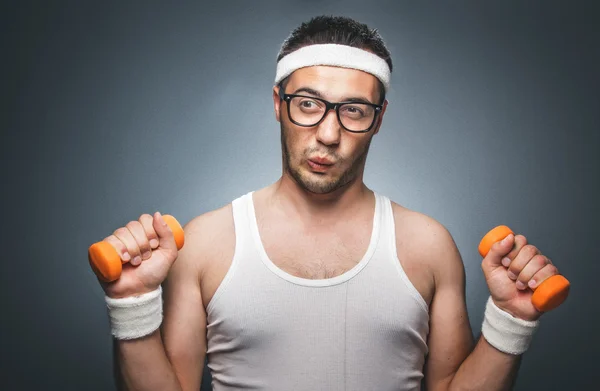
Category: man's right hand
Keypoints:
(147, 249)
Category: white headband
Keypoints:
(334, 55)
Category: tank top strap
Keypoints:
(389, 249)
(388, 230)
(243, 247)
(242, 222)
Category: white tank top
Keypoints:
(269, 330)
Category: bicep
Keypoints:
(450, 339)
(184, 324)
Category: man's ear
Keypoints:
(276, 102)
(380, 117)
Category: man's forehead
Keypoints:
(335, 82)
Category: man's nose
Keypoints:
(329, 130)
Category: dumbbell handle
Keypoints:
(548, 295)
(106, 262)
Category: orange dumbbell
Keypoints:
(106, 262)
(548, 295)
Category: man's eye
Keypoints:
(308, 104)
(355, 111)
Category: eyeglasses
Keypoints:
(308, 111)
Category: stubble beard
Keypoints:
(319, 183)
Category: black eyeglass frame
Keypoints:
(329, 106)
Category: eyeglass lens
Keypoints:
(353, 116)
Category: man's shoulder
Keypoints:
(427, 238)
(211, 227)
(214, 219)
(209, 234)
(419, 225)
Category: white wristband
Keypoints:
(505, 332)
(137, 316)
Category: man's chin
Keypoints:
(317, 183)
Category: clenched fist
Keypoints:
(147, 249)
(512, 268)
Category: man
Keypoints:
(317, 282)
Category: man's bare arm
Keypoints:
(171, 358)
(142, 364)
(487, 368)
(453, 362)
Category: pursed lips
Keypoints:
(321, 161)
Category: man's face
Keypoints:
(345, 151)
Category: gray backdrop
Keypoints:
(114, 109)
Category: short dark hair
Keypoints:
(339, 30)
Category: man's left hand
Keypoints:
(511, 268)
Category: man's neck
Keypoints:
(298, 203)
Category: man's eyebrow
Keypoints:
(316, 93)
(309, 91)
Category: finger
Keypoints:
(546, 272)
(518, 244)
(146, 220)
(126, 237)
(497, 251)
(137, 230)
(537, 263)
(165, 235)
(523, 257)
(119, 246)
